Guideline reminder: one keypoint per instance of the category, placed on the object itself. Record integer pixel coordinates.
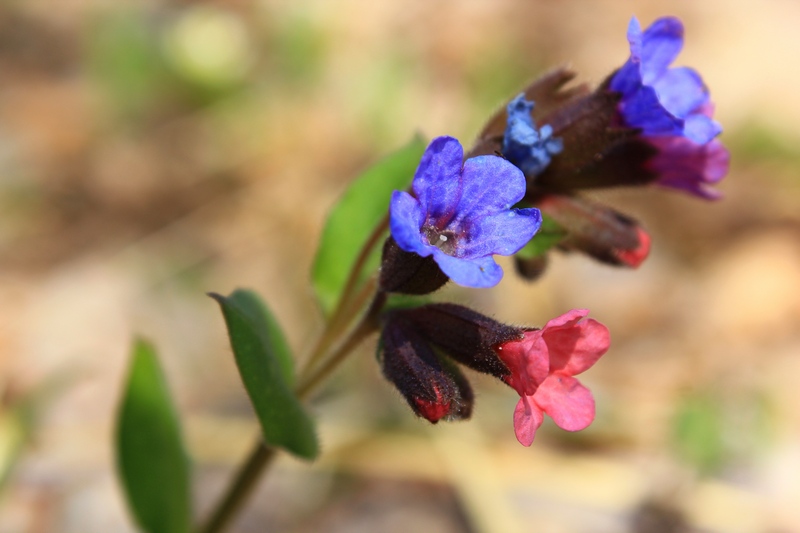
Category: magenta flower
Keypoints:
(543, 365)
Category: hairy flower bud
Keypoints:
(465, 335)
(597, 230)
(433, 387)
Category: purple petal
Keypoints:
(405, 220)
(681, 91)
(479, 273)
(437, 182)
(490, 184)
(689, 166)
(503, 233)
(661, 44)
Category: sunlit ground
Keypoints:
(152, 152)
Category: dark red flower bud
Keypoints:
(466, 336)
(597, 230)
(433, 387)
(407, 272)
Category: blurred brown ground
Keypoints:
(150, 152)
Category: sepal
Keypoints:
(409, 273)
(466, 336)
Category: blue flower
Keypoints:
(672, 108)
(525, 146)
(462, 213)
(658, 99)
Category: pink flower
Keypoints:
(542, 367)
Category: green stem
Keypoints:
(243, 484)
(343, 312)
(367, 325)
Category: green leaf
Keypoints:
(151, 459)
(354, 218)
(267, 328)
(261, 354)
(549, 234)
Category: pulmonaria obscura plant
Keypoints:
(429, 215)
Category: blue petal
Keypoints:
(490, 184)
(627, 79)
(480, 273)
(525, 146)
(681, 91)
(405, 221)
(519, 109)
(644, 110)
(701, 129)
(661, 44)
(437, 182)
(503, 233)
(635, 39)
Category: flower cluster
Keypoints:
(538, 363)
(672, 109)
(647, 123)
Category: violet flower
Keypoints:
(672, 108)
(461, 214)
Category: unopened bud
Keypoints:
(463, 334)
(434, 388)
(597, 230)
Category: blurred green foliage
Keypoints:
(152, 462)
(359, 211)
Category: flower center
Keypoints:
(444, 240)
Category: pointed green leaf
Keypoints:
(151, 459)
(267, 328)
(549, 234)
(353, 219)
(261, 353)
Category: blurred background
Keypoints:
(153, 151)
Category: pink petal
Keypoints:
(568, 319)
(528, 361)
(527, 419)
(569, 403)
(575, 346)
